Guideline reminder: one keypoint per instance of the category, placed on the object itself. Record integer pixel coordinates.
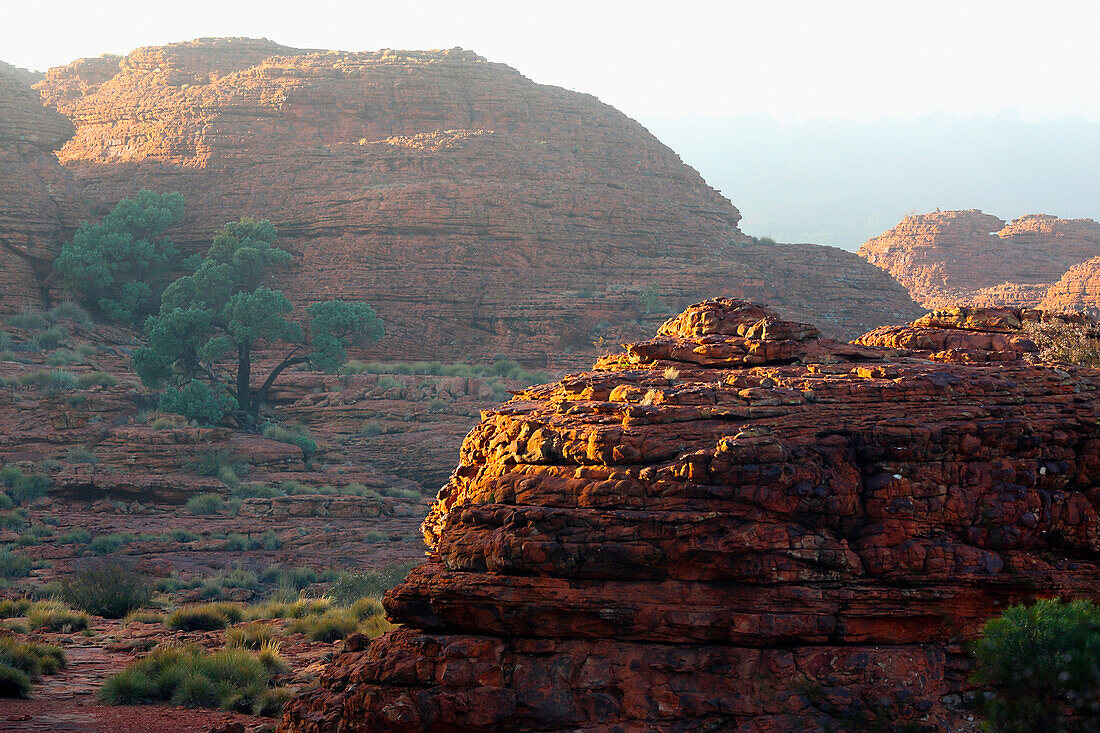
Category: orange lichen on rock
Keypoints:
(793, 544)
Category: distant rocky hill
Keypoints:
(970, 257)
(481, 213)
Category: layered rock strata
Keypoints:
(1077, 290)
(967, 333)
(736, 526)
(480, 213)
(952, 257)
(39, 202)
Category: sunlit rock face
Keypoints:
(955, 257)
(40, 204)
(479, 212)
(736, 525)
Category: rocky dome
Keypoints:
(479, 212)
(39, 202)
(736, 525)
(952, 257)
(1077, 290)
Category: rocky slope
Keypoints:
(736, 525)
(1077, 290)
(953, 257)
(39, 202)
(479, 212)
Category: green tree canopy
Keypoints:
(120, 264)
(1043, 665)
(212, 321)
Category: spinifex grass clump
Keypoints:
(364, 616)
(23, 661)
(204, 616)
(231, 679)
(55, 616)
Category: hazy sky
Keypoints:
(860, 60)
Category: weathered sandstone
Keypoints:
(688, 539)
(1077, 290)
(951, 257)
(969, 333)
(480, 213)
(39, 202)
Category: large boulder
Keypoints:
(685, 539)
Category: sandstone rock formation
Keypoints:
(953, 257)
(966, 333)
(1077, 290)
(479, 212)
(39, 202)
(733, 526)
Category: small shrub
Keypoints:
(29, 487)
(92, 379)
(14, 566)
(387, 383)
(299, 437)
(351, 587)
(9, 475)
(70, 311)
(77, 536)
(51, 338)
(211, 463)
(395, 492)
(196, 401)
(29, 319)
(168, 422)
(437, 406)
(1064, 342)
(373, 536)
(1043, 665)
(61, 357)
(144, 617)
(204, 504)
(57, 617)
(109, 590)
(52, 382)
(105, 544)
(371, 428)
(80, 454)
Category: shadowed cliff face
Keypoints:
(970, 257)
(479, 212)
(39, 202)
(738, 525)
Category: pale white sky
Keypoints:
(794, 58)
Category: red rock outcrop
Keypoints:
(687, 538)
(1077, 290)
(480, 213)
(39, 202)
(966, 333)
(951, 257)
